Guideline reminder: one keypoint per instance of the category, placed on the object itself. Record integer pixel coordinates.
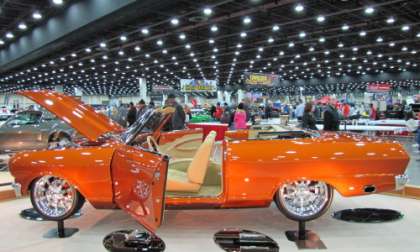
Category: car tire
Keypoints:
(54, 198)
(304, 200)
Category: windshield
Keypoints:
(25, 118)
(148, 122)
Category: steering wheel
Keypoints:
(153, 145)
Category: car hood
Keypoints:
(78, 115)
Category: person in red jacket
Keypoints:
(219, 112)
(346, 110)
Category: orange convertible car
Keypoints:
(143, 169)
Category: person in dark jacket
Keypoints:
(331, 118)
(178, 118)
(141, 108)
(308, 118)
(131, 114)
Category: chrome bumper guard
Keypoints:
(400, 181)
(18, 189)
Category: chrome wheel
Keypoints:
(304, 199)
(54, 197)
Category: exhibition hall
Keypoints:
(211, 125)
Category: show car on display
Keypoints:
(32, 130)
(142, 170)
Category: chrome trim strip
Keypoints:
(18, 189)
(400, 181)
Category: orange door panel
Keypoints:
(139, 180)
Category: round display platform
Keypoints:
(232, 240)
(133, 240)
(368, 215)
(32, 214)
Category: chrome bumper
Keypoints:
(400, 181)
(18, 189)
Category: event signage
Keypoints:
(378, 87)
(192, 85)
(261, 79)
(161, 88)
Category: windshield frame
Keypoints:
(15, 117)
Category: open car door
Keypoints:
(139, 182)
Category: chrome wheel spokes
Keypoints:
(304, 197)
(53, 196)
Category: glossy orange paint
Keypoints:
(80, 116)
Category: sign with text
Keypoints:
(261, 79)
(378, 87)
(192, 85)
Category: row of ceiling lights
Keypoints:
(22, 26)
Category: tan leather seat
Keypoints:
(192, 179)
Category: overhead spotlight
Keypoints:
(345, 27)
(174, 21)
(207, 11)
(159, 42)
(379, 40)
(182, 36)
(291, 44)
(102, 44)
(270, 40)
(320, 19)
(243, 34)
(145, 31)
(299, 8)
(1, 42)
(405, 28)
(10, 35)
(276, 27)
(37, 15)
(88, 50)
(247, 20)
(369, 10)
(58, 2)
(362, 33)
(123, 38)
(22, 26)
(302, 34)
(390, 20)
(321, 39)
(214, 28)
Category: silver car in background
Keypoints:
(32, 130)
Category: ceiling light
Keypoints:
(1, 42)
(22, 26)
(392, 44)
(320, 19)
(88, 50)
(270, 40)
(369, 10)
(418, 35)
(405, 28)
(340, 45)
(137, 48)
(379, 40)
(214, 28)
(362, 33)
(102, 44)
(302, 34)
(211, 41)
(276, 27)
(345, 27)
(182, 36)
(291, 44)
(174, 21)
(243, 34)
(145, 31)
(37, 15)
(58, 2)
(159, 42)
(10, 35)
(299, 8)
(247, 20)
(390, 20)
(321, 39)
(123, 38)
(207, 11)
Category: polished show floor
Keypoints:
(192, 230)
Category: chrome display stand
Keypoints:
(305, 239)
(234, 240)
(368, 215)
(133, 240)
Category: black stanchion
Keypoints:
(305, 239)
(61, 231)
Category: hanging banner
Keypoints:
(192, 85)
(378, 87)
(161, 88)
(261, 79)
